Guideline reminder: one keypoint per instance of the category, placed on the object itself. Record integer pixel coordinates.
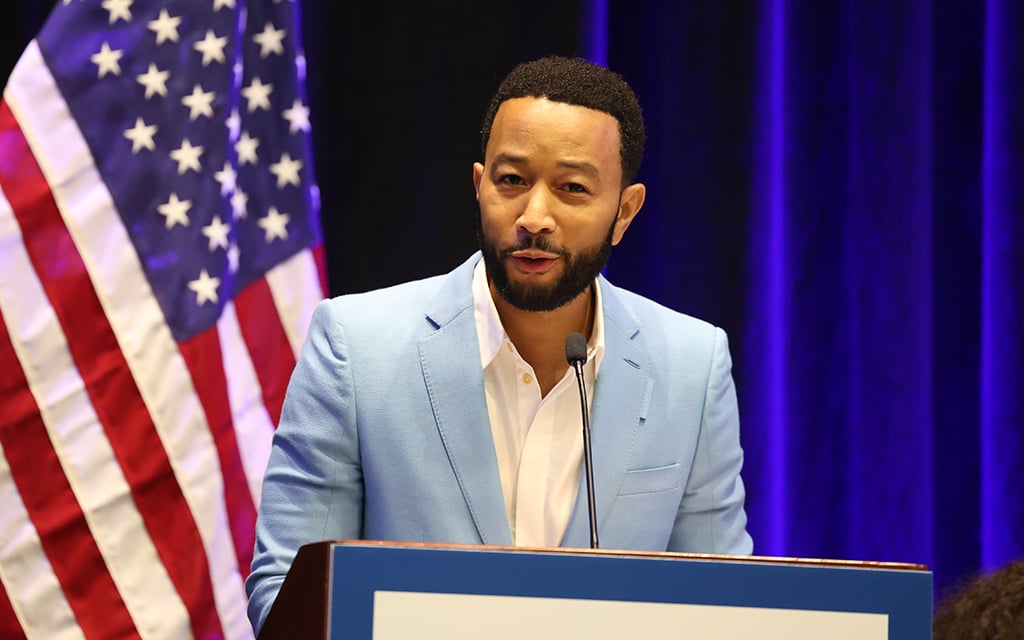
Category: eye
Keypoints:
(575, 187)
(511, 179)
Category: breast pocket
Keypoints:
(651, 480)
(645, 509)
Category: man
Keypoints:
(444, 410)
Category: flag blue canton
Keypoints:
(196, 119)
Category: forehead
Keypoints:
(538, 128)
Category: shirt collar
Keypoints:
(491, 333)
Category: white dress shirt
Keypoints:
(538, 441)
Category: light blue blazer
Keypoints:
(385, 435)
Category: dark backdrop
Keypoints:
(838, 185)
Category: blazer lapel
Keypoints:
(621, 397)
(450, 361)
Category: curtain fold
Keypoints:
(839, 185)
(1002, 304)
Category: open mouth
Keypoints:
(532, 264)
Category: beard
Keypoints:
(579, 272)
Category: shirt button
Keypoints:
(527, 378)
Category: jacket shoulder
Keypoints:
(658, 323)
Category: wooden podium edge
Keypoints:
(298, 611)
(717, 557)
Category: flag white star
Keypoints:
(108, 60)
(274, 224)
(270, 40)
(187, 157)
(297, 116)
(175, 211)
(217, 233)
(165, 27)
(220, 4)
(240, 204)
(154, 80)
(258, 95)
(233, 255)
(286, 170)
(228, 179)
(234, 124)
(199, 103)
(141, 135)
(118, 9)
(246, 149)
(211, 47)
(205, 288)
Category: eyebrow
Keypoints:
(583, 167)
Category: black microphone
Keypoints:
(576, 356)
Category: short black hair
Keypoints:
(579, 82)
(989, 607)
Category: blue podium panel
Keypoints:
(455, 592)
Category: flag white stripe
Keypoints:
(78, 438)
(253, 426)
(89, 463)
(294, 285)
(149, 348)
(25, 570)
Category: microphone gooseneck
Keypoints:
(576, 356)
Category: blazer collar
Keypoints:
(620, 402)
(450, 361)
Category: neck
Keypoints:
(540, 336)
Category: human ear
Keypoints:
(478, 175)
(630, 202)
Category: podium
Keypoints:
(382, 590)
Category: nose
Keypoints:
(536, 218)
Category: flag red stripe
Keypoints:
(205, 361)
(10, 628)
(321, 267)
(54, 510)
(264, 335)
(108, 380)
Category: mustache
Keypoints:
(540, 243)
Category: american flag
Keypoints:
(160, 258)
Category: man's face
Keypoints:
(551, 203)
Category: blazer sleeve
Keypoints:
(711, 516)
(313, 488)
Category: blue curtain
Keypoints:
(1002, 287)
(841, 186)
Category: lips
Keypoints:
(532, 262)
